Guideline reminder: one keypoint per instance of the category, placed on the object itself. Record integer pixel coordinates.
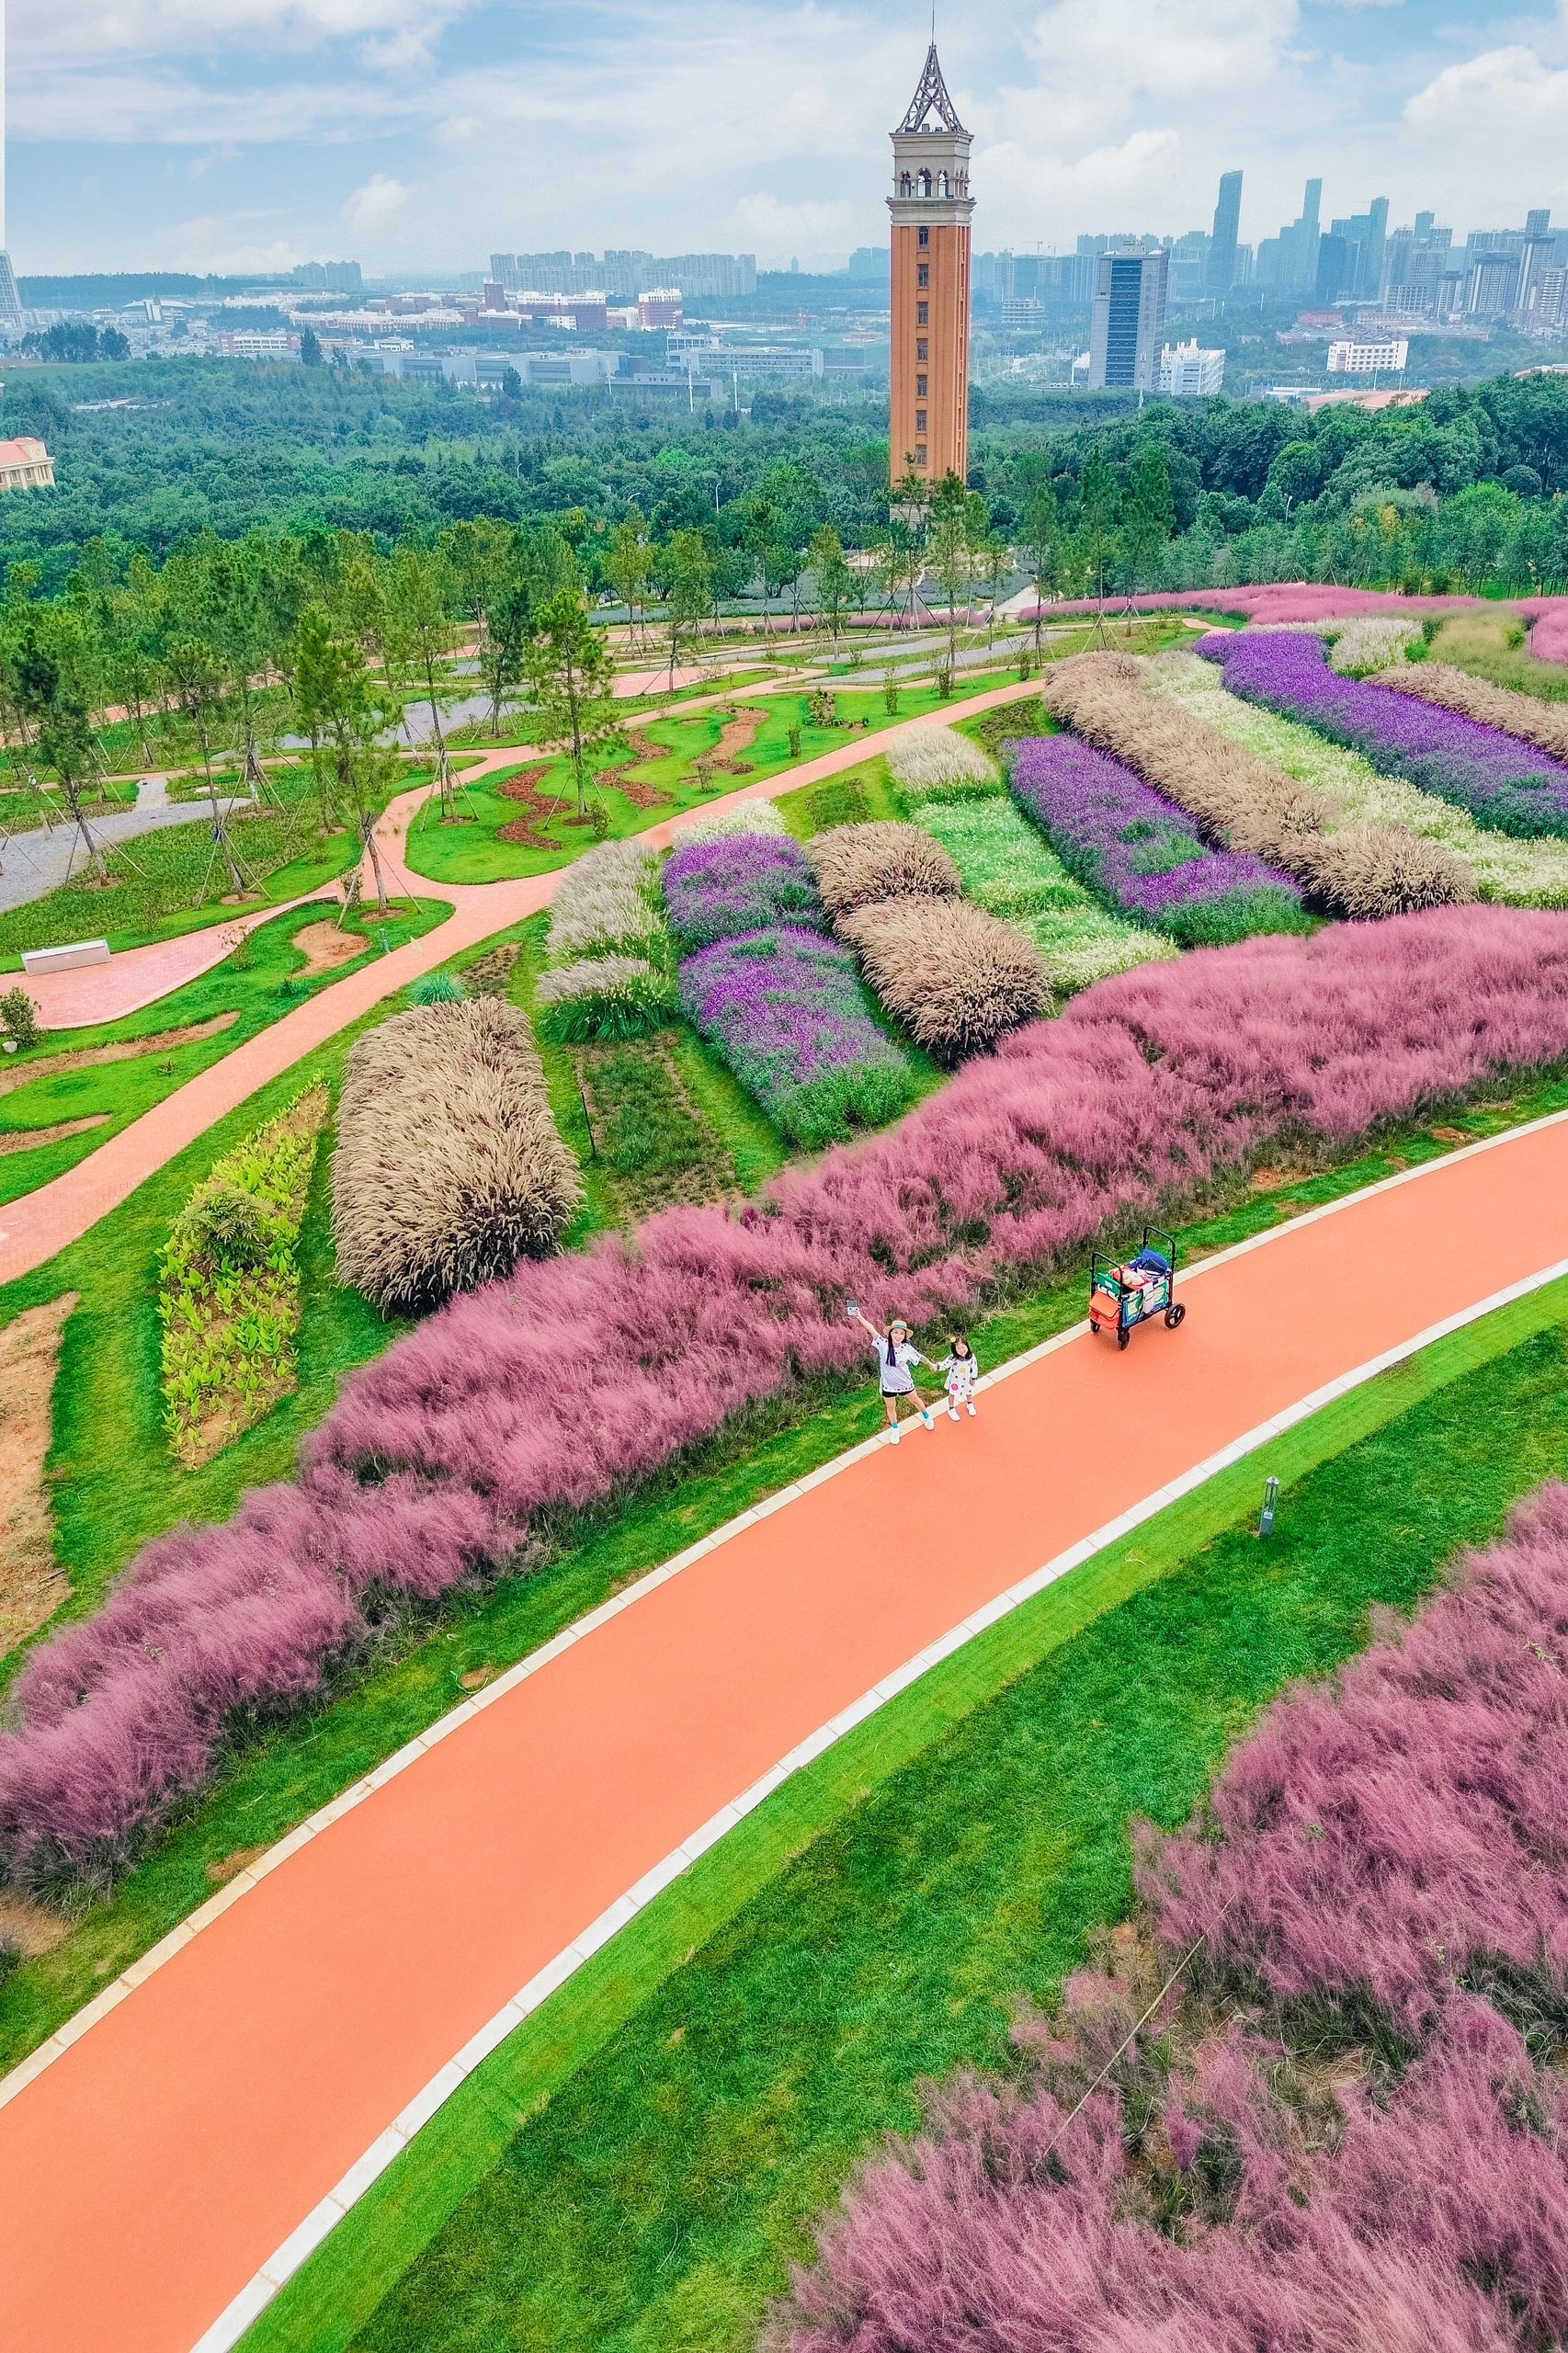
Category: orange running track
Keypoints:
(151, 2170)
(34, 1227)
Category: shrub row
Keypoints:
(736, 884)
(1249, 803)
(609, 948)
(443, 1461)
(955, 977)
(1544, 725)
(1369, 641)
(1502, 782)
(1120, 838)
(1010, 869)
(1525, 874)
(449, 1167)
(856, 866)
(229, 1284)
(939, 764)
(1214, 2162)
(786, 1010)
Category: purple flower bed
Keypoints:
(742, 883)
(787, 1011)
(1120, 838)
(1504, 783)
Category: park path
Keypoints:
(39, 861)
(138, 977)
(33, 1228)
(165, 2170)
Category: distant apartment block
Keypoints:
(26, 464)
(1348, 357)
(627, 274)
(328, 277)
(1126, 326)
(1187, 371)
(255, 343)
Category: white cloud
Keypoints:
(44, 33)
(1500, 88)
(1167, 47)
(375, 206)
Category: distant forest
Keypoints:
(1467, 490)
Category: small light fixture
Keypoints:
(1266, 1517)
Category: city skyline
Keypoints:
(254, 133)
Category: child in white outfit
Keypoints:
(896, 1356)
(961, 1371)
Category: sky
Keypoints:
(421, 135)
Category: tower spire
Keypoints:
(931, 108)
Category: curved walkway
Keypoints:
(166, 2164)
(39, 861)
(34, 1228)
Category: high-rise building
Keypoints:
(931, 209)
(1223, 241)
(1129, 318)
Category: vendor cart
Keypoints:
(1124, 1293)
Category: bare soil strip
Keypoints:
(28, 1139)
(124, 1050)
(31, 1586)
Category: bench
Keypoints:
(38, 961)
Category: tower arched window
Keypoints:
(947, 185)
(906, 184)
(924, 183)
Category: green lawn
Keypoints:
(259, 982)
(1495, 645)
(667, 752)
(168, 882)
(638, 2166)
(118, 1488)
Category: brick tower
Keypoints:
(931, 208)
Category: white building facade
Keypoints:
(1186, 370)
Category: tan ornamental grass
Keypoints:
(448, 1167)
(857, 865)
(1247, 803)
(1526, 717)
(957, 978)
(609, 900)
(1523, 873)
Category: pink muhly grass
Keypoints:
(1193, 2187)
(449, 1457)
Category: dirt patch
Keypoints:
(128, 1050)
(31, 1586)
(524, 788)
(29, 1139)
(1270, 1180)
(1451, 1135)
(491, 976)
(477, 1677)
(231, 1866)
(737, 735)
(324, 948)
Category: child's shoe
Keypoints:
(894, 1432)
(926, 1417)
(972, 1409)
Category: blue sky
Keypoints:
(421, 134)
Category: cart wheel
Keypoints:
(1123, 1334)
(1174, 1315)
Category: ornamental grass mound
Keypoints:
(1117, 835)
(1369, 641)
(608, 901)
(444, 1462)
(1544, 725)
(739, 883)
(1501, 781)
(748, 817)
(1248, 802)
(604, 997)
(937, 764)
(1319, 2101)
(1525, 874)
(858, 866)
(448, 1169)
(957, 979)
